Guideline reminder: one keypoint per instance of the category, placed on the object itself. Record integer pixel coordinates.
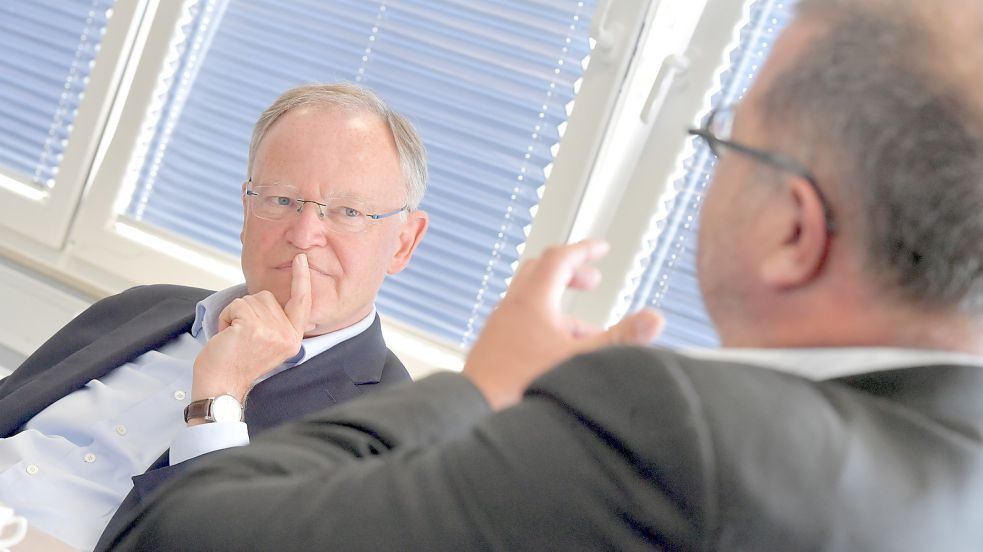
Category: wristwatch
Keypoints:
(223, 408)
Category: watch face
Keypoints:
(225, 408)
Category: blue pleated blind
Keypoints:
(667, 281)
(488, 84)
(47, 48)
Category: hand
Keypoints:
(527, 334)
(255, 336)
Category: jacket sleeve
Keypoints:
(423, 467)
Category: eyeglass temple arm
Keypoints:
(389, 214)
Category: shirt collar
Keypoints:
(836, 362)
(208, 310)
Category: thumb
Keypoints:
(640, 328)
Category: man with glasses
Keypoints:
(330, 204)
(841, 240)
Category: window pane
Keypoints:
(48, 50)
(487, 83)
(667, 280)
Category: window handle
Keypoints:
(607, 36)
(673, 66)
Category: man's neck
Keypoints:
(838, 323)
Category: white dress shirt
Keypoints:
(823, 363)
(69, 468)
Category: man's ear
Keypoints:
(414, 227)
(800, 253)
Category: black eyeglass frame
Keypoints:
(776, 160)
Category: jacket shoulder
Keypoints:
(102, 316)
(156, 292)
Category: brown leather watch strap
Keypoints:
(197, 409)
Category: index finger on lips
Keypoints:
(298, 307)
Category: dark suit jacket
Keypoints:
(628, 448)
(120, 328)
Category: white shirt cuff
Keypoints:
(194, 441)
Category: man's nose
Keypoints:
(306, 228)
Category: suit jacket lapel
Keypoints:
(148, 330)
(332, 377)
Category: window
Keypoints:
(50, 49)
(54, 46)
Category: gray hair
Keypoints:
(409, 146)
(890, 121)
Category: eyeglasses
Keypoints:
(340, 214)
(717, 130)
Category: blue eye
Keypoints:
(282, 201)
(350, 212)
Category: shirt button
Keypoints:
(32, 470)
(121, 429)
(89, 458)
(179, 395)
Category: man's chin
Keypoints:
(327, 318)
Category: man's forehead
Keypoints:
(336, 190)
(341, 152)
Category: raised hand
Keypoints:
(255, 336)
(528, 333)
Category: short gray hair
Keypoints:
(889, 121)
(357, 99)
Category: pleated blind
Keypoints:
(47, 48)
(488, 83)
(667, 280)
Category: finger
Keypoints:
(225, 318)
(555, 270)
(265, 307)
(585, 277)
(580, 329)
(298, 307)
(640, 328)
(235, 310)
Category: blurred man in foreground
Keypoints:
(842, 237)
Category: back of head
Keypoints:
(354, 99)
(886, 107)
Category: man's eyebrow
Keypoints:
(347, 195)
(255, 182)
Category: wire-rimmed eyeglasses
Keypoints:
(717, 130)
(341, 214)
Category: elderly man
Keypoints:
(330, 208)
(842, 237)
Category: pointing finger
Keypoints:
(298, 307)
